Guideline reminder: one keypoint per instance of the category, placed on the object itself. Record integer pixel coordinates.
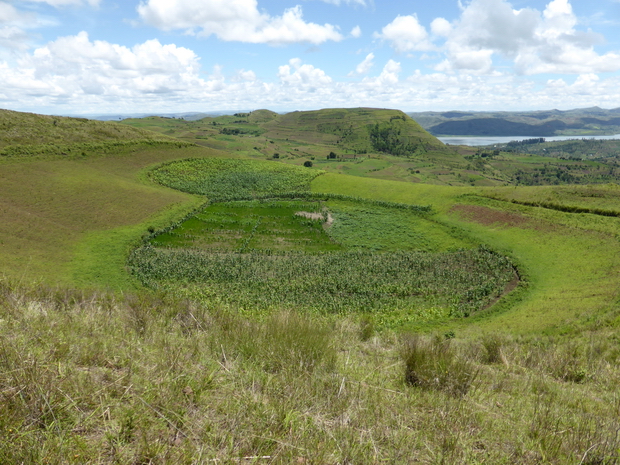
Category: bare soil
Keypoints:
(317, 216)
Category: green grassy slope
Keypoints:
(73, 221)
(347, 128)
(19, 128)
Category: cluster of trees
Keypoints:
(518, 143)
(231, 131)
(387, 138)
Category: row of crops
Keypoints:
(227, 179)
(284, 252)
(458, 283)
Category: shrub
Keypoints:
(434, 364)
(308, 164)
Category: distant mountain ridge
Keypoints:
(546, 123)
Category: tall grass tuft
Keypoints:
(285, 341)
(492, 349)
(434, 364)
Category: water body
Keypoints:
(475, 141)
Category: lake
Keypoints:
(492, 140)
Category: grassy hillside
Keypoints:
(71, 208)
(256, 338)
(31, 129)
(359, 130)
(568, 260)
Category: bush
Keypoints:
(434, 364)
(308, 164)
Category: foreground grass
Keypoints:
(141, 379)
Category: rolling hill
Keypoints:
(578, 122)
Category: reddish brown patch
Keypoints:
(488, 216)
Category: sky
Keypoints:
(78, 57)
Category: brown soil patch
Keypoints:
(317, 216)
(488, 216)
(310, 216)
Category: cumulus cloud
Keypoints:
(235, 20)
(406, 34)
(356, 32)
(75, 66)
(364, 66)
(388, 77)
(537, 42)
(78, 75)
(390, 72)
(296, 74)
(13, 26)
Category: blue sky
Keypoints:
(164, 56)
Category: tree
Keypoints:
(308, 164)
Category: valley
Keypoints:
(334, 286)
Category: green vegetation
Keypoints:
(93, 378)
(222, 179)
(19, 129)
(323, 318)
(370, 226)
(242, 226)
(403, 287)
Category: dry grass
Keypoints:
(145, 379)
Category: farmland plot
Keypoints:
(264, 255)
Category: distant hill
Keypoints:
(360, 130)
(579, 122)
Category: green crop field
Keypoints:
(190, 292)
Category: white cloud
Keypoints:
(387, 79)
(13, 26)
(299, 75)
(235, 20)
(73, 67)
(536, 42)
(406, 34)
(441, 27)
(243, 75)
(390, 72)
(356, 32)
(364, 66)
